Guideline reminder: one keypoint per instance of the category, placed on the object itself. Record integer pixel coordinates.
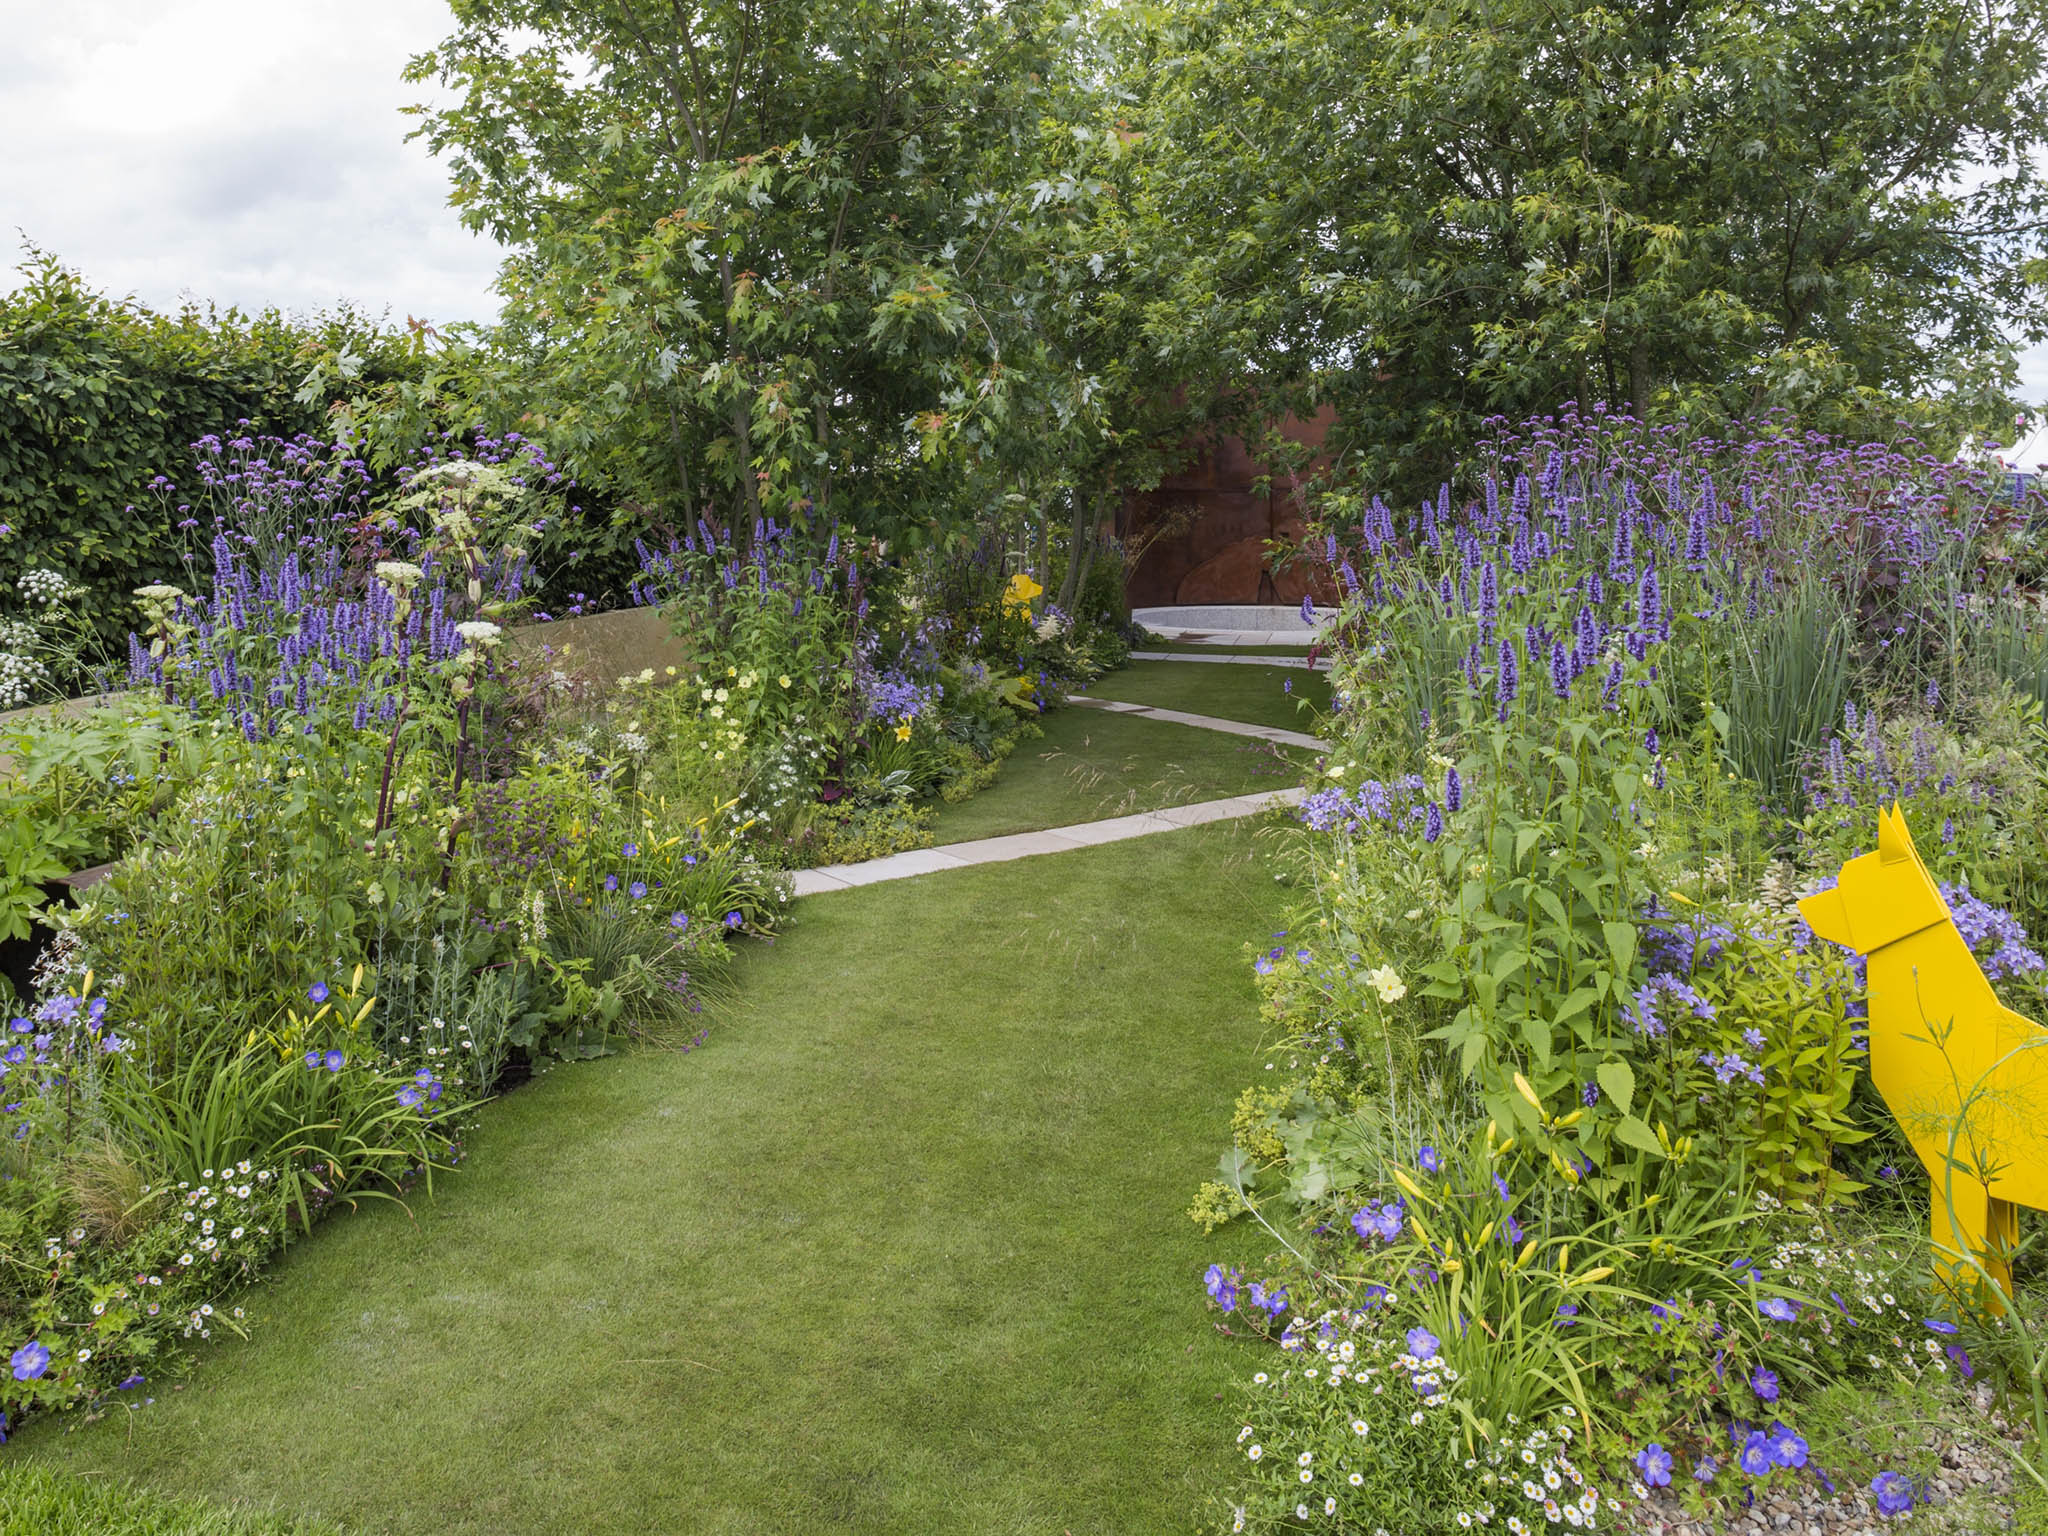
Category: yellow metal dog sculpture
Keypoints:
(1938, 1037)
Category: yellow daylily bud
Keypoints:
(85, 986)
(1408, 1184)
(1593, 1275)
(1484, 1233)
(1570, 1120)
(1522, 1087)
(355, 982)
(1452, 1266)
(1528, 1252)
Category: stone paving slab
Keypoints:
(1320, 664)
(1272, 733)
(1023, 845)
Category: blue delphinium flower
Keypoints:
(30, 1361)
(317, 993)
(1653, 1462)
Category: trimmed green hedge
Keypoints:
(98, 396)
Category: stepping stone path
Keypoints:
(1087, 834)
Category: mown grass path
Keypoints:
(900, 1250)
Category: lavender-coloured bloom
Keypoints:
(317, 993)
(637, 889)
(1308, 610)
(1423, 1344)
(1704, 1472)
(1778, 1308)
(1764, 1383)
(333, 1061)
(1428, 1160)
(409, 1096)
(1433, 823)
(1454, 791)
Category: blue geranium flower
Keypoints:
(637, 889)
(409, 1096)
(1423, 1344)
(1654, 1463)
(1755, 1455)
(679, 920)
(733, 919)
(317, 993)
(334, 1061)
(1893, 1491)
(1428, 1160)
(1704, 1472)
(631, 850)
(611, 882)
(30, 1361)
(312, 1061)
(1778, 1309)
(1787, 1449)
(1764, 1382)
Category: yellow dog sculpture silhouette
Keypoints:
(1938, 1034)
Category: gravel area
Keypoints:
(1971, 1491)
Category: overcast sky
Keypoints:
(246, 151)
(249, 152)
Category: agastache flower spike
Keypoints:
(1509, 680)
(1560, 670)
(1454, 791)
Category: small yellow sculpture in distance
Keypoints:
(1939, 1035)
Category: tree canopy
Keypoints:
(905, 260)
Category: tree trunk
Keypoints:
(1641, 384)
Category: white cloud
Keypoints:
(248, 152)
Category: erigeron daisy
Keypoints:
(1356, 1479)
(1358, 1426)
(1307, 1476)
(1255, 1452)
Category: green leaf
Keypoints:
(1621, 944)
(1638, 1135)
(1617, 1080)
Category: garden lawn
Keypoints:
(1259, 695)
(901, 1249)
(37, 1501)
(1091, 765)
